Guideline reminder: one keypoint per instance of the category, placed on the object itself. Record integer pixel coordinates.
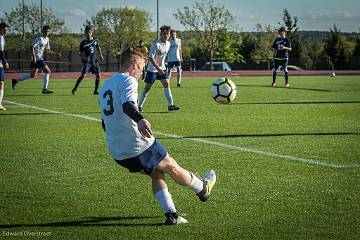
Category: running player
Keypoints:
(156, 69)
(3, 63)
(142, 48)
(175, 56)
(131, 143)
(88, 49)
(39, 46)
(282, 47)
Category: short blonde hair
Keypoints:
(129, 55)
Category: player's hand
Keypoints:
(144, 128)
(161, 72)
(58, 54)
(6, 66)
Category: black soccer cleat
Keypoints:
(96, 92)
(47, 91)
(73, 92)
(173, 108)
(13, 83)
(172, 218)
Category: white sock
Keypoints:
(168, 95)
(46, 80)
(165, 200)
(196, 184)
(1, 95)
(24, 77)
(178, 78)
(142, 98)
(169, 73)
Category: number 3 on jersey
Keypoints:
(109, 110)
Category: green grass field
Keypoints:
(287, 161)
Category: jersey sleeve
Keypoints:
(288, 43)
(2, 43)
(275, 45)
(81, 48)
(153, 50)
(129, 91)
(35, 43)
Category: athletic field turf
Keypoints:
(287, 161)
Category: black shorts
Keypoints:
(38, 64)
(280, 62)
(2, 75)
(147, 160)
(90, 68)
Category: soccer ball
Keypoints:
(223, 90)
(332, 74)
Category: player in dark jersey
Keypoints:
(282, 47)
(88, 53)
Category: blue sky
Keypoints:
(312, 14)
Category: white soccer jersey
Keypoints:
(2, 46)
(158, 51)
(174, 51)
(122, 135)
(40, 44)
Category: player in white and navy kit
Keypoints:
(130, 140)
(88, 52)
(156, 69)
(282, 46)
(39, 46)
(175, 56)
(3, 63)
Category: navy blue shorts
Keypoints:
(147, 160)
(152, 76)
(174, 64)
(2, 75)
(277, 63)
(38, 64)
(90, 68)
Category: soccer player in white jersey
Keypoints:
(39, 46)
(3, 63)
(175, 56)
(131, 142)
(156, 69)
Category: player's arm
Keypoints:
(100, 52)
(152, 60)
(3, 59)
(51, 52)
(144, 126)
(32, 50)
(103, 124)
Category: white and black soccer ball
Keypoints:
(332, 74)
(223, 90)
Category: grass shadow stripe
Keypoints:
(219, 144)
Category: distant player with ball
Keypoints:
(282, 47)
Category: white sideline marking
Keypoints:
(219, 144)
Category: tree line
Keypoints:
(208, 35)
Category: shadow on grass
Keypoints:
(289, 88)
(269, 135)
(270, 103)
(43, 113)
(92, 222)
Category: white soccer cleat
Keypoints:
(209, 182)
(2, 108)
